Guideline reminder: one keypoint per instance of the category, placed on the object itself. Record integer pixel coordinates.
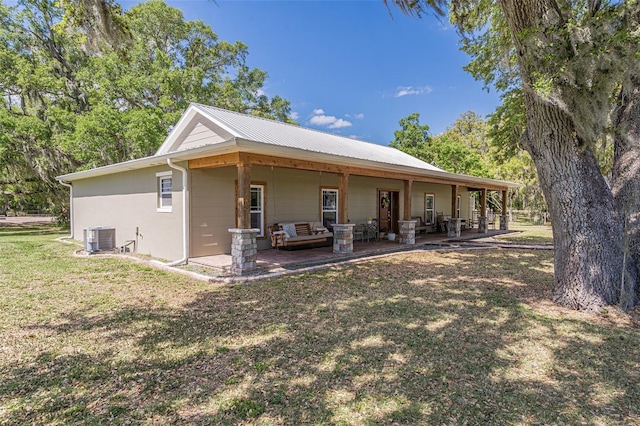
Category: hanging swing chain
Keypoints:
(319, 211)
(273, 196)
(274, 203)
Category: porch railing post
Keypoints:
(343, 238)
(482, 225)
(407, 231)
(244, 250)
(454, 228)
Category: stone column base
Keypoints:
(482, 225)
(244, 250)
(454, 228)
(504, 222)
(407, 231)
(343, 238)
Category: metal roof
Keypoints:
(255, 134)
(285, 135)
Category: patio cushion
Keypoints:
(290, 229)
(304, 238)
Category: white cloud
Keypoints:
(410, 90)
(294, 115)
(332, 122)
(322, 120)
(339, 123)
(358, 116)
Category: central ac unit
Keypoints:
(99, 238)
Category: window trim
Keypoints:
(433, 208)
(160, 176)
(322, 209)
(262, 212)
(264, 206)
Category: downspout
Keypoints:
(185, 247)
(61, 182)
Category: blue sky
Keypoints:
(349, 67)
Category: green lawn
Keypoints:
(528, 233)
(459, 337)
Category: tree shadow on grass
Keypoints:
(413, 339)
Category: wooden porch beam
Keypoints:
(223, 160)
(243, 210)
(343, 198)
(231, 159)
(408, 184)
(483, 202)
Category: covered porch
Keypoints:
(268, 190)
(275, 262)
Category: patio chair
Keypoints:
(441, 224)
(358, 232)
(491, 220)
(420, 225)
(371, 230)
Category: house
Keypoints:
(220, 174)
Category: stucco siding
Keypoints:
(128, 201)
(291, 196)
(442, 198)
(363, 196)
(212, 210)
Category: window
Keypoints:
(458, 207)
(329, 207)
(257, 208)
(429, 208)
(164, 191)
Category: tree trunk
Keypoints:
(587, 229)
(626, 184)
(586, 225)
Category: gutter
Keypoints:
(61, 182)
(185, 243)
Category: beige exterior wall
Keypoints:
(212, 193)
(127, 201)
(442, 199)
(363, 196)
(291, 196)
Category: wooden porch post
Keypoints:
(343, 198)
(504, 217)
(243, 209)
(454, 200)
(408, 184)
(482, 217)
(504, 202)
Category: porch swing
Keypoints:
(295, 235)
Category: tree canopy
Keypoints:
(469, 146)
(77, 95)
(454, 150)
(569, 75)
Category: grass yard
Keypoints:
(460, 337)
(528, 234)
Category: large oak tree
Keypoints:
(84, 84)
(575, 65)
